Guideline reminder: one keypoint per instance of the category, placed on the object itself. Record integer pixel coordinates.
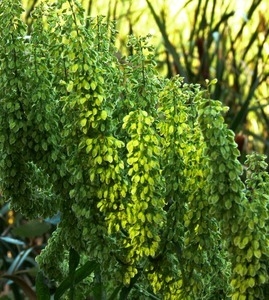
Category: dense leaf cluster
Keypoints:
(142, 169)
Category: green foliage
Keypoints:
(143, 170)
(247, 238)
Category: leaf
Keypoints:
(73, 34)
(115, 293)
(42, 290)
(74, 258)
(109, 158)
(72, 56)
(79, 275)
(99, 159)
(86, 85)
(65, 40)
(232, 175)
(103, 115)
(74, 68)
(31, 229)
(83, 122)
(257, 253)
(44, 146)
(70, 86)
(98, 288)
(11, 241)
(228, 204)
(93, 85)
(18, 261)
(171, 129)
(88, 149)
(12, 124)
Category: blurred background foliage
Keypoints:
(201, 39)
(21, 241)
(198, 39)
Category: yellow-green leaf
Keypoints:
(83, 122)
(70, 86)
(257, 253)
(103, 115)
(72, 56)
(74, 68)
(99, 159)
(86, 85)
(93, 85)
(65, 41)
(73, 34)
(109, 158)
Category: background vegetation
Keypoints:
(218, 43)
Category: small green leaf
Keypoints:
(148, 120)
(214, 199)
(249, 254)
(39, 117)
(99, 159)
(74, 68)
(44, 146)
(109, 158)
(222, 168)
(73, 34)
(83, 122)
(93, 85)
(257, 253)
(232, 175)
(251, 282)
(255, 245)
(86, 85)
(228, 204)
(103, 115)
(251, 225)
(88, 149)
(171, 129)
(12, 124)
(70, 86)
(86, 67)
